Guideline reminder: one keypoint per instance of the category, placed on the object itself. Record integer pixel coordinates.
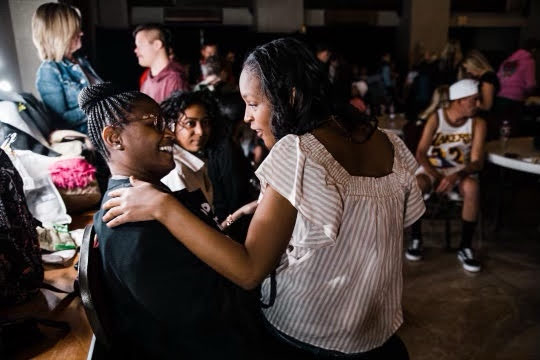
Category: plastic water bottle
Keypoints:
(392, 116)
(505, 132)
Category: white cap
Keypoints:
(463, 88)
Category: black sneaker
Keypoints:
(414, 251)
(466, 256)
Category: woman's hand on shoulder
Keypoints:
(247, 209)
(142, 202)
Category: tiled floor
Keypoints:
(495, 314)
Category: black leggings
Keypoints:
(281, 346)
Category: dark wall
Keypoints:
(116, 62)
(495, 43)
(360, 44)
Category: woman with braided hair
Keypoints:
(336, 194)
(166, 303)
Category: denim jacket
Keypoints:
(59, 84)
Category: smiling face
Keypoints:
(258, 108)
(143, 147)
(193, 128)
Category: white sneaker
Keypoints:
(414, 251)
(469, 263)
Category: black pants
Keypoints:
(281, 346)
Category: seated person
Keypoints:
(63, 73)
(167, 303)
(191, 116)
(451, 152)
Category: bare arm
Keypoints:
(425, 143)
(246, 265)
(488, 93)
(477, 151)
(247, 209)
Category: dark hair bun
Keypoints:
(93, 94)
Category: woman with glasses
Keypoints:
(164, 302)
(326, 239)
(190, 115)
(56, 32)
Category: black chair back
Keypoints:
(93, 292)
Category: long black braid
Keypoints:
(104, 104)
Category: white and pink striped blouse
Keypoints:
(339, 284)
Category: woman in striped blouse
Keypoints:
(336, 193)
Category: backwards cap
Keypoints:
(463, 88)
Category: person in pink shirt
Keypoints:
(517, 77)
(152, 46)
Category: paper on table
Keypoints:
(58, 257)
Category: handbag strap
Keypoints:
(273, 291)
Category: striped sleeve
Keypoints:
(283, 169)
(404, 154)
(414, 203)
(305, 185)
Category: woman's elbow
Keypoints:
(249, 285)
(249, 282)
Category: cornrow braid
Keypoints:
(106, 105)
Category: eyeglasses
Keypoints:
(159, 122)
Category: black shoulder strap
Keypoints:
(273, 285)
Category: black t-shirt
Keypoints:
(230, 173)
(491, 78)
(167, 303)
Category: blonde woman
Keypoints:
(56, 32)
(476, 66)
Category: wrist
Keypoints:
(163, 200)
(229, 220)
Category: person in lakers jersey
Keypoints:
(450, 154)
